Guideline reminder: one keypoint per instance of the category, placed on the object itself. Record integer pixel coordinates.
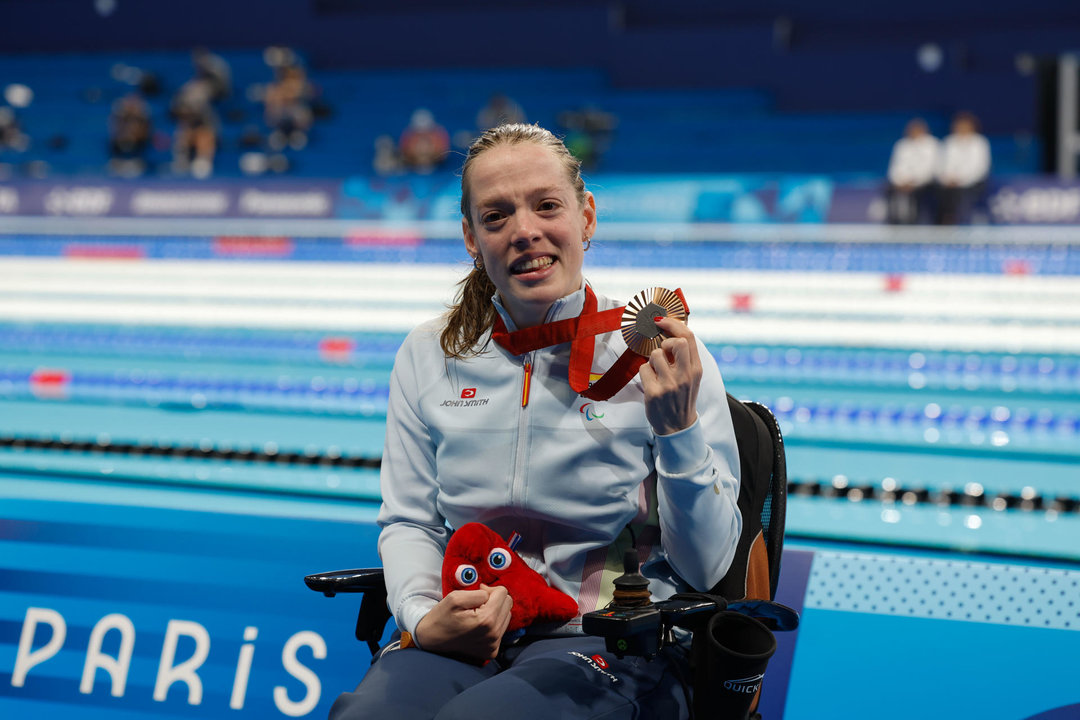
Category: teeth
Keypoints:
(534, 264)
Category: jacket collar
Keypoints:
(565, 307)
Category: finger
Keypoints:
(651, 384)
(489, 623)
(660, 365)
(647, 376)
(673, 362)
(466, 599)
(675, 328)
(504, 614)
(496, 594)
(683, 360)
(503, 623)
(498, 603)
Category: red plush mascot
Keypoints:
(476, 554)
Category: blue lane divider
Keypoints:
(151, 383)
(930, 414)
(133, 380)
(1041, 373)
(991, 258)
(369, 398)
(339, 348)
(887, 362)
(313, 395)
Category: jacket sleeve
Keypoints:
(698, 486)
(414, 534)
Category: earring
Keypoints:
(587, 242)
(478, 262)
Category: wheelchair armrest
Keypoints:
(371, 620)
(347, 581)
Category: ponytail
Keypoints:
(471, 315)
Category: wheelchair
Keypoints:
(747, 589)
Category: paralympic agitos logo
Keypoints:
(589, 411)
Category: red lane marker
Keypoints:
(336, 349)
(742, 302)
(382, 237)
(894, 282)
(109, 252)
(51, 383)
(233, 246)
(1017, 267)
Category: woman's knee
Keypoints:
(407, 685)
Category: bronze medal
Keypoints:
(639, 330)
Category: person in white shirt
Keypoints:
(965, 167)
(912, 170)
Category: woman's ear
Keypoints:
(470, 239)
(589, 210)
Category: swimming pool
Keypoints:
(173, 407)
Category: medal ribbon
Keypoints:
(580, 332)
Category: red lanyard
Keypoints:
(580, 332)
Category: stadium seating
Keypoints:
(680, 130)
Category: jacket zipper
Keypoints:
(517, 489)
(527, 366)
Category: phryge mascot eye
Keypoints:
(476, 555)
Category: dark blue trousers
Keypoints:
(568, 677)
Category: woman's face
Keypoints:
(528, 227)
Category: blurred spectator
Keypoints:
(424, 144)
(287, 108)
(589, 131)
(215, 71)
(279, 56)
(129, 135)
(500, 110)
(11, 136)
(145, 81)
(965, 167)
(196, 137)
(387, 161)
(291, 104)
(912, 168)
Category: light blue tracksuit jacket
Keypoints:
(568, 474)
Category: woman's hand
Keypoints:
(467, 623)
(671, 378)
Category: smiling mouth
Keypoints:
(531, 265)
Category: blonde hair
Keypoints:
(472, 313)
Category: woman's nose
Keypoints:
(525, 229)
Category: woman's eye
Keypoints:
(466, 575)
(499, 559)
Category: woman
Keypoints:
(477, 433)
